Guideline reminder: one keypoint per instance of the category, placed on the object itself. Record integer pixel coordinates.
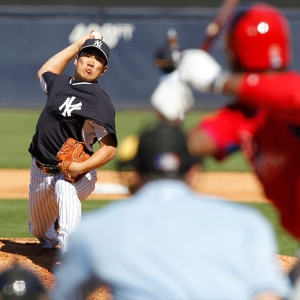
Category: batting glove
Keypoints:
(172, 98)
(199, 69)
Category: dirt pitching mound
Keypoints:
(29, 253)
(234, 186)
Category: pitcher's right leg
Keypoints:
(42, 207)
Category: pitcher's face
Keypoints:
(90, 65)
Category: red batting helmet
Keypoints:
(259, 37)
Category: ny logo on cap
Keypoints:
(98, 44)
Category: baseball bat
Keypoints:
(213, 29)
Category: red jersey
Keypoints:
(265, 124)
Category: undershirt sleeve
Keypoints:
(92, 129)
(43, 84)
(46, 81)
(100, 131)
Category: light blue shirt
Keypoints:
(168, 242)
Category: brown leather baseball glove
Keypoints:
(71, 151)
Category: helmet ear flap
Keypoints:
(231, 57)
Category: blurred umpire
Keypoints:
(166, 241)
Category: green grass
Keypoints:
(14, 219)
(286, 242)
(14, 216)
(16, 131)
(18, 126)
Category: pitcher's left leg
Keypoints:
(69, 197)
(69, 209)
(42, 206)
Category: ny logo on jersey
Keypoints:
(69, 107)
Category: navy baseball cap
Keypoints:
(163, 150)
(98, 44)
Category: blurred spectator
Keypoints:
(168, 54)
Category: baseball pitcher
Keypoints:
(77, 108)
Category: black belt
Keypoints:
(47, 169)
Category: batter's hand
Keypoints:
(172, 98)
(199, 69)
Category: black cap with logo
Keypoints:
(99, 45)
(163, 150)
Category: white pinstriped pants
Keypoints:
(52, 197)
